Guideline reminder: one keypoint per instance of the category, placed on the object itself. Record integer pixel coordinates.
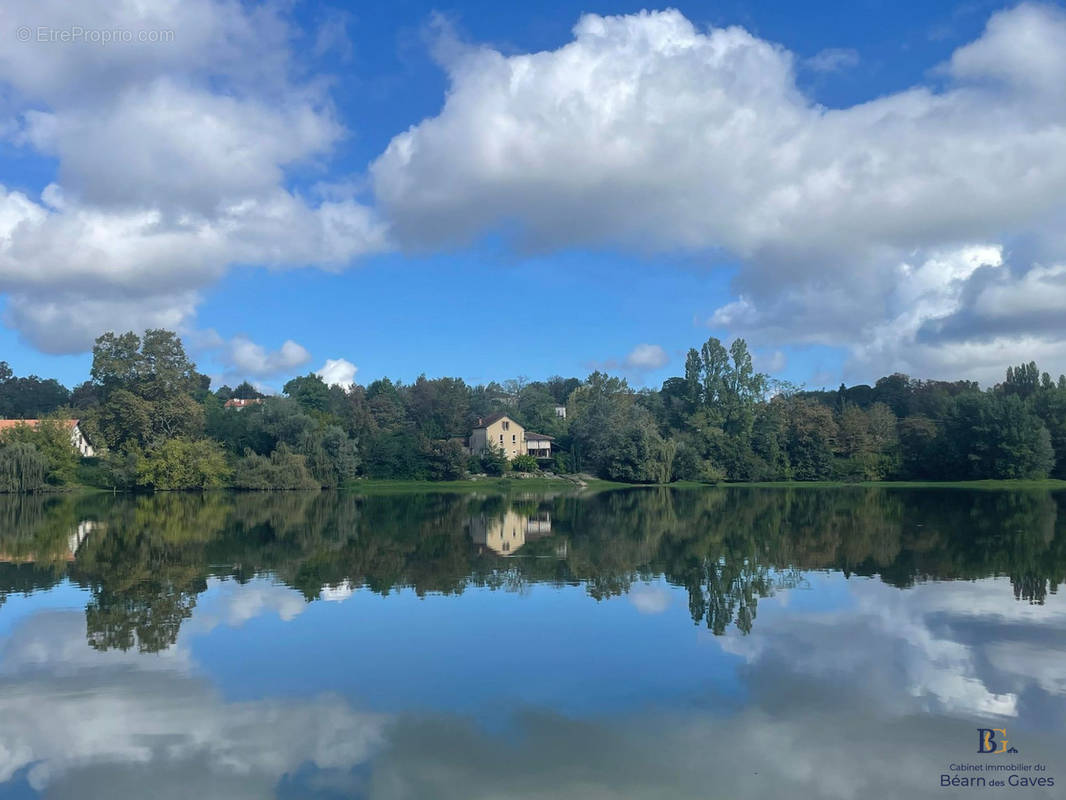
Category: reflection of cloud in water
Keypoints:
(805, 751)
(650, 599)
(120, 712)
(835, 706)
(337, 593)
(230, 603)
(906, 644)
(55, 640)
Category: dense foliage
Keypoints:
(159, 425)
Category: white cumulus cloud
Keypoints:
(648, 132)
(249, 358)
(171, 165)
(338, 372)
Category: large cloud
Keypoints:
(647, 132)
(172, 160)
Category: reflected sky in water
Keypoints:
(177, 662)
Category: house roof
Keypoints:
(530, 436)
(241, 402)
(7, 424)
(484, 423)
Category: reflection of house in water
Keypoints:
(507, 532)
(74, 541)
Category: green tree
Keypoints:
(23, 468)
(184, 464)
(310, 391)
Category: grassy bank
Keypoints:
(1048, 484)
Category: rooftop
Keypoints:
(7, 424)
(486, 421)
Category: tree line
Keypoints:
(158, 424)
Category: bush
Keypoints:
(282, 469)
(493, 461)
(524, 463)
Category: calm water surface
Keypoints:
(719, 643)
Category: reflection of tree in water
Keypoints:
(150, 556)
(147, 615)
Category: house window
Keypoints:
(506, 425)
(501, 438)
(514, 438)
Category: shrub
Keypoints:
(524, 463)
(493, 461)
(282, 469)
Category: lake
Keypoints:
(644, 643)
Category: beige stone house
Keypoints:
(503, 432)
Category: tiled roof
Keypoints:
(530, 436)
(7, 424)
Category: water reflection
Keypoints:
(146, 559)
(330, 645)
(506, 532)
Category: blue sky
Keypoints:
(854, 187)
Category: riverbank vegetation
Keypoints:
(158, 424)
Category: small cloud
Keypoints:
(338, 372)
(833, 59)
(650, 599)
(248, 358)
(646, 357)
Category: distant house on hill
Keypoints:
(77, 438)
(239, 403)
(501, 431)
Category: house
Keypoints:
(77, 438)
(239, 402)
(503, 432)
(560, 412)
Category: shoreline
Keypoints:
(582, 484)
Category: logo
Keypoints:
(988, 744)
